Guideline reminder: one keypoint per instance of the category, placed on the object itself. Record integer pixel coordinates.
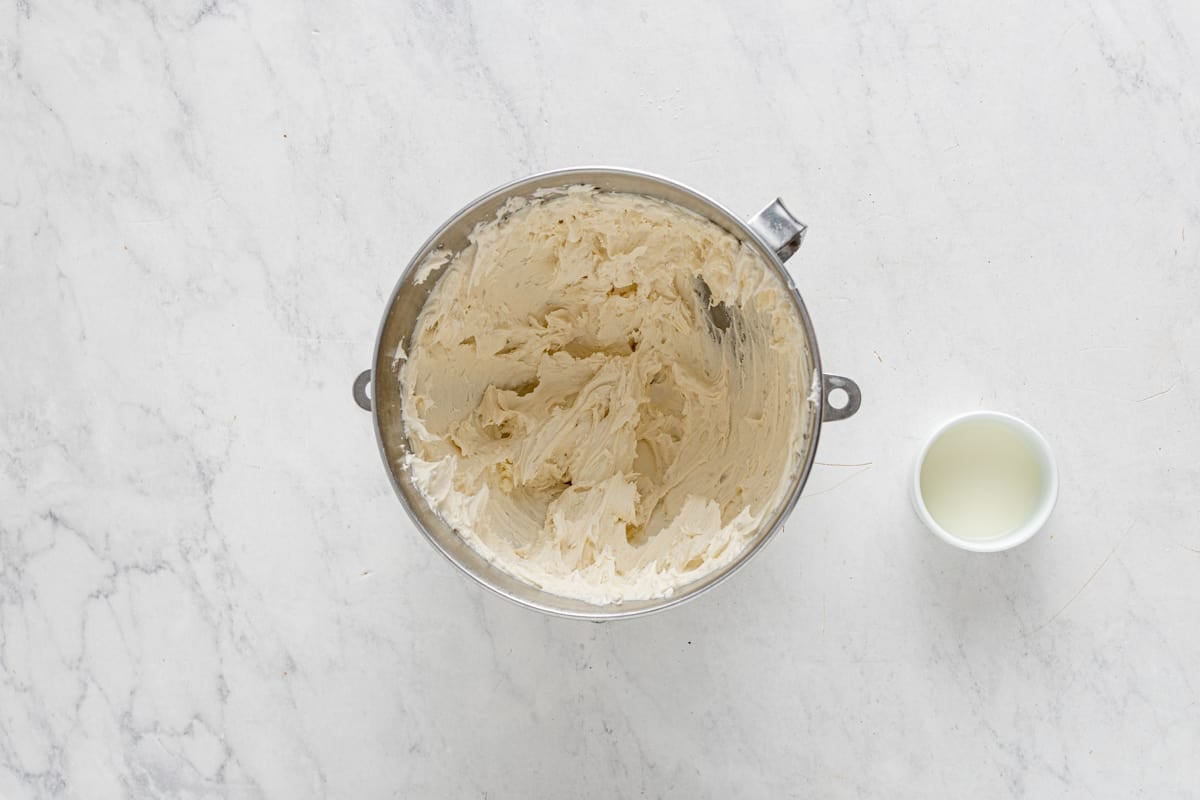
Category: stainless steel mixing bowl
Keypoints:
(773, 232)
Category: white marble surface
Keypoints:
(207, 588)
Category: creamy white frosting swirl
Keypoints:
(605, 394)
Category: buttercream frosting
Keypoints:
(605, 394)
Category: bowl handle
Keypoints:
(360, 390)
(828, 412)
(779, 229)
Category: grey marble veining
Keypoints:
(207, 588)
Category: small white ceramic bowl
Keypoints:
(969, 451)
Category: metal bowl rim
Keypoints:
(569, 176)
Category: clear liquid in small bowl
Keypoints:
(981, 479)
